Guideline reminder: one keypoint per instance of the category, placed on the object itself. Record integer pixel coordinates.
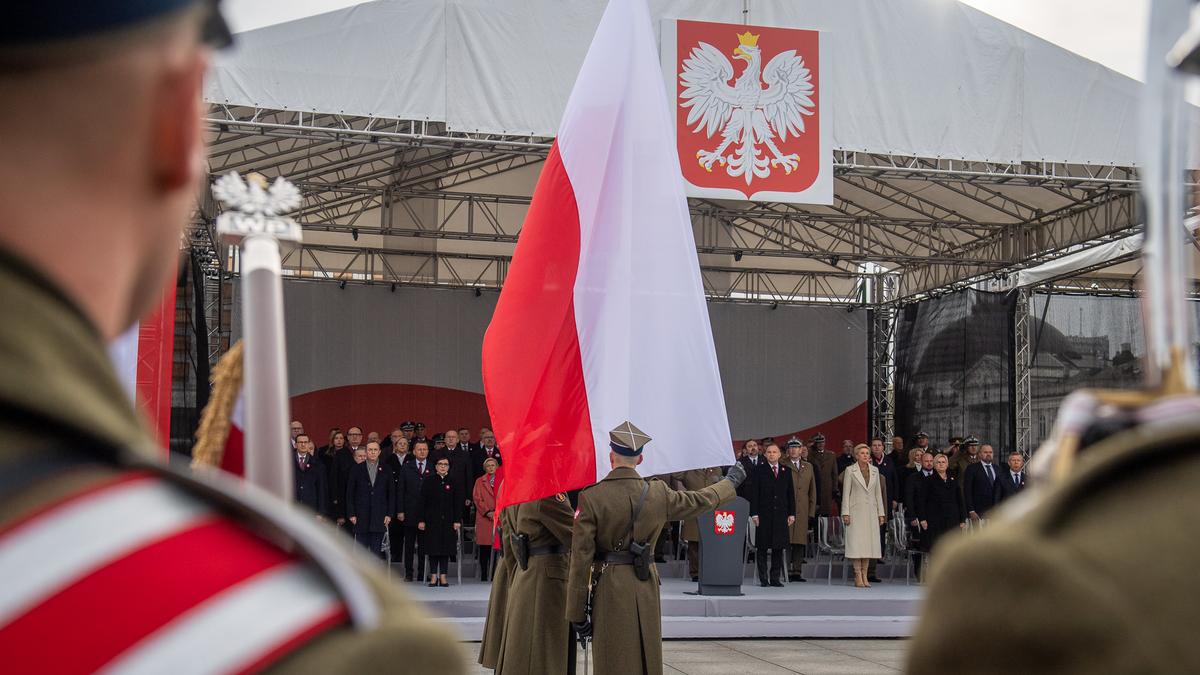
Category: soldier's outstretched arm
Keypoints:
(683, 505)
(583, 550)
(558, 517)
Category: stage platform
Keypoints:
(798, 610)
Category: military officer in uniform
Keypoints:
(493, 623)
(611, 547)
(695, 479)
(825, 472)
(102, 153)
(805, 494)
(537, 637)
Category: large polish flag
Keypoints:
(603, 318)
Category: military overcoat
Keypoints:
(493, 624)
(627, 616)
(805, 489)
(535, 636)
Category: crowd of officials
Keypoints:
(420, 490)
(412, 491)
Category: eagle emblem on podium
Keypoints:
(723, 522)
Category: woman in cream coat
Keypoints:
(862, 512)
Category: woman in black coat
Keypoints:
(441, 517)
(942, 509)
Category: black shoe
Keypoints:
(800, 579)
(875, 580)
(408, 579)
(777, 584)
(763, 584)
(695, 578)
(432, 584)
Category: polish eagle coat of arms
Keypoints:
(763, 105)
(723, 522)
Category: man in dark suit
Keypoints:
(773, 510)
(370, 500)
(310, 486)
(481, 453)
(1012, 480)
(413, 475)
(749, 460)
(460, 471)
(979, 484)
(889, 482)
(915, 497)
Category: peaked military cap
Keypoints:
(794, 442)
(922, 434)
(971, 440)
(818, 437)
(407, 426)
(627, 440)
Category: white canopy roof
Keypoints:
(923, 78)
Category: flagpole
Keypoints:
(258, 228)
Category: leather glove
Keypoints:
(736, 475)
(583, 628)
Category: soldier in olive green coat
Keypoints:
(493, 625)
(626, 619)
(536, 634)
(89, 240)
(1093, 575)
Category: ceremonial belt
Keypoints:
(616, 557)
(553, 549)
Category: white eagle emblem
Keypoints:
(723, 522)
(254, 197)
(256, 208)
(747, 114)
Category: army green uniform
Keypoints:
(696, 479)
(66, 425)
(826, 476)
(1094, 575)
(493, 625)
(536, 634)
(626, 613)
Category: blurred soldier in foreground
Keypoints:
(1092, 568)
(101, 131)
(612, 544)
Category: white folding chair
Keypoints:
(831, 541)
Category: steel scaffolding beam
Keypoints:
(1022, 340)
(882, 341)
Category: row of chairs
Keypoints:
(898, 549)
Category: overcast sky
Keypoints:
(1111, 32)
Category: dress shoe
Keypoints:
(874, 579)
(763, 584)
(695, 578)
(408, 579)
(777, 584)
(798, 578)
(432, 584)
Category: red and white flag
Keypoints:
(603, 317)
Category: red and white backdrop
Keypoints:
(370, 357)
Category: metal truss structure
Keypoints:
(1022, 366)
(882, 343)
(415, 187)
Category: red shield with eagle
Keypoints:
(748, 104)
(724, 522)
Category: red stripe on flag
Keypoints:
(155, 360)
(111, 609)
(234, 459)
(532, 369)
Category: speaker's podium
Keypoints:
(723, 548)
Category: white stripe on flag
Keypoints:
(236, 628)
(42, 557)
